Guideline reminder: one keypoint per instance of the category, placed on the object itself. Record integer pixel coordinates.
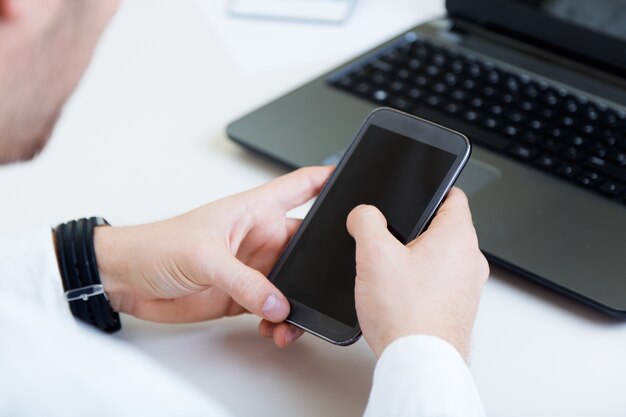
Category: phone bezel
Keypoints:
(411, 127)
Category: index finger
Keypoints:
(296, 188)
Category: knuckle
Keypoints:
(244, 284)
(470, 238)
(483, 268)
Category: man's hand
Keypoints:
(431, 286)
(211, 262)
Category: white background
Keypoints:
(143, 138)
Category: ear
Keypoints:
(9, 9)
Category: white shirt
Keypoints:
(50, 365)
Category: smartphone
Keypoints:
(399, 163)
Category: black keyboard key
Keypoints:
(573, 154)
(380, 96)
(477, 103)
(400, 104)
(588, 129)
(523, 152)
(516, 117)
(469, 84)
(571, 106)
(579, 141)
(496, 110)
(451, 80)
(613, 171)
(492, 123)
(440, 88)
(590, 179)
(435, 101)
(474, 70)
(592, 114)
(527, 106)
(415, 93)
(618, 158)
(508, 98)
(547, 114)
(531, 137)
(567, 121)
(381, 78)
(551, 99)
(457, 66)
(556, 133)
(471, 115)
(439, 59)
(414, 64)
(611, 141)
(493, 77)
(382, 66)
(568, 170)
(510, 130)
(489, 92)
(595, 161)
(453, 108)
(346, 82)
(609, 118)
(599, 150)
(512, 85)
(403, 74)
(433, 70)
(612, 189)
(422, 81)
(459, 95)
(536, 124)
(552, 146)
(363, 89)
(547, 162)
(531, 91)
(398, 86)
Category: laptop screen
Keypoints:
(605, 16)
(590, 30)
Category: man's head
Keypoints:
(45, 46)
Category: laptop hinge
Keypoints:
(467, 28)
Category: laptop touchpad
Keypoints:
(476, 176)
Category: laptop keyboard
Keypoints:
(552, 129)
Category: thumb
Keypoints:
(368, 227)
(252, 290)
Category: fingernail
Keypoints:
(275, 308)
(292, 334)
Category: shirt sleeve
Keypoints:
(29, 271)
(52, 365)
(423, 376)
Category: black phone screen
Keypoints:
(397, 174)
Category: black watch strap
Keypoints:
(79, 271)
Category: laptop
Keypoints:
(539, 87)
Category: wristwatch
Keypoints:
(79, 272)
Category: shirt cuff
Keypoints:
(423, 376)
(29, 271)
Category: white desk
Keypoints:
(143, 139)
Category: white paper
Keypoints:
(263, 45)
(320, 11)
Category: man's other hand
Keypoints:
(431, 286)
(211, 262)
